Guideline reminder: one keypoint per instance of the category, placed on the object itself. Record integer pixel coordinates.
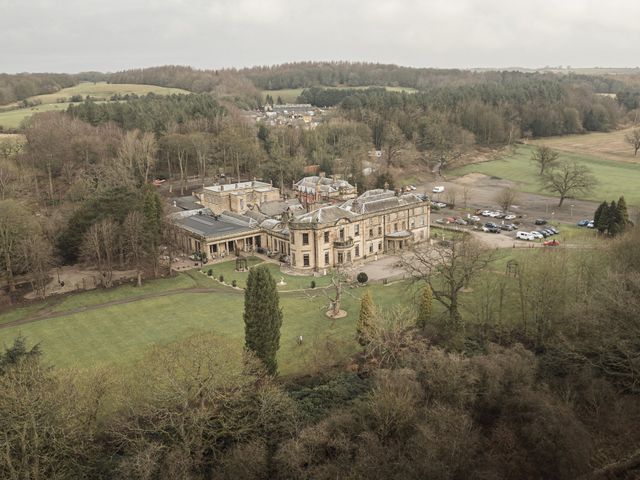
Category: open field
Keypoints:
(100, 91)
(616, 178)
(11, 119)
(290, 95)
(609, 145)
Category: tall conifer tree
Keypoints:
(262, 317)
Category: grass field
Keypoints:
(290, 95)
(615, 178)
(101, 91)
(11, 119)
(118, 334)
(609, 145)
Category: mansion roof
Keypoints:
(323, 185)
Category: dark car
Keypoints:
(549, 231)
(544, 233)
(508, 227)
(540, 221)
(491, 228)
(554, 230)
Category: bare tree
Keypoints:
(569, 179)
(545, 157)
(506, 197)
(101, 247)
(9, 175)
(392, 144)
(633, 139)
(16, 226)
(37, 253)
(448, 267)
(134, 241)
(138, 152)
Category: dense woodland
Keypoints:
(548, 392)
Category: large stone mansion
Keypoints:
(251, 215)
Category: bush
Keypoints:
(234, 283)
(221, 278)
(313, 284)
(210, 273)
(362, 277)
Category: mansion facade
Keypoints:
(377, 222)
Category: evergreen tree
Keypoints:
(366, 318)
(614, 221)
(601, 217)
(425, 308)
(262, 317)
(623, 213)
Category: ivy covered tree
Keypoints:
(262, 317)
(366, 318)
(425, 308)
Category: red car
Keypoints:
(551, 243)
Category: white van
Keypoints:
(438, 189)
(524, 236)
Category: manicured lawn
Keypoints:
(13, 118)
(121, 333)
(292, 282)
(615, 178)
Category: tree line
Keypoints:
(20, 86)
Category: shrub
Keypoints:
(210, 273)
(221, 278)
(362, 277)
(234, 283)
(313, 284)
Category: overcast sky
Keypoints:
(110, 35)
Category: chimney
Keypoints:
(222, 188)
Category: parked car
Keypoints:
(460, 221)
(543, 233)
(524, 236)
(551, 243)
(554, 230)
(486, 213)
(549, 232)
(583, 223)
(439, 204)
(536, 235)
(473, 218)
(511, 216)
(509, 227)
(540, 221)
(591, 224)
(491, 228)
(499, 215)
(438, 189)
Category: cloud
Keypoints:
(74, 35)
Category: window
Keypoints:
(305, 239)
(371, 248)
(370, 232)
(348, 256)
(197, 246)
(293, 238)
(357, 250)
(326, 258)
(356, 230)
(342, 234)
(379, 230)
(395, 227)
(293, 259)
(403, 225)
(305, 260)
(379, 245)
(326, 237)
(340, 257)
